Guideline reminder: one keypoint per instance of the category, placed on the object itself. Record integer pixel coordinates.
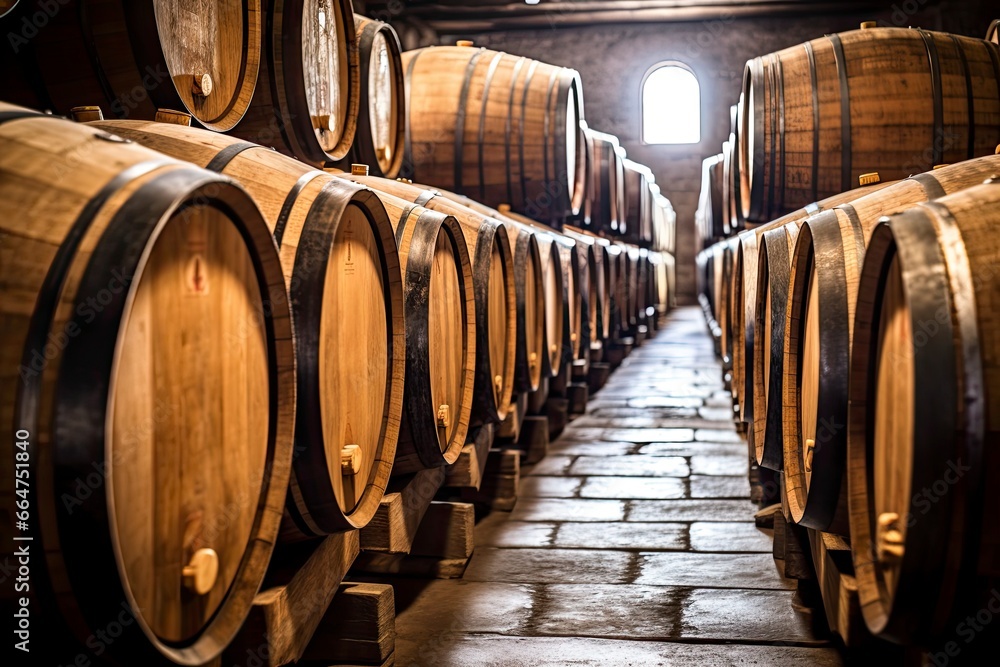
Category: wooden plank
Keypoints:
(358, 627)
(501, 481)
(577, 394)
(284, 618)
(557, 414)
(831, 557)
(599, 374)
(395, 523)
(467, 471)
(534, 440)
(511, 426)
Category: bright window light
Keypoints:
(671, 106)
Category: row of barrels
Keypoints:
(210, 347)
(815, 118)
(318, 83)
(858, 331)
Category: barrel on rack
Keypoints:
(822, 298)
(439, 298)
(892, 100)
(709, 216)
(756, 258)
(638, 202)
(518, 129)
(606, 189)
(598, 286)
(146, 336)
(341, 265)
(381, 131)
(494, 281)
(731, 193)
(135, 57)
(307, 102)
(923, 418)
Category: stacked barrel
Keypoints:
(854, 312)
(218, 295)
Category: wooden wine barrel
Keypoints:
(993, 33)
(573, 268)
(381, 131)
(892, 100)
(520, 125)
(440, 307)
(591, 177)
(136, 57)
(923, 419)
(710, 220)
(732, 194)
(306, 104)
(746, 282)
(530, 291)
(638, 201)
(340, 261)
(606, 190)
(822, 296)
(496, 303)
(598, 297)
(147, 348)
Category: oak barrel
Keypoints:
(306, 104)
(763, 262)
(340, 262)
(638, 202)
(893, 100)
(381, 132)
(148, 368)
(606, 187)
(496, 300)
(709, 216)
(922, 460)
(440, 303)
(822, 297)
(518, 129)
(598, 285)
(136, 57)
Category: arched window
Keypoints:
(671, 105)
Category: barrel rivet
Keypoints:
(202, 570)
(350, 460)
(202, 85)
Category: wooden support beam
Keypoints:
(467, 471)
(358, 627)
(284, 618)
(395, 523)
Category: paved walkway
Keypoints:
(632, 543)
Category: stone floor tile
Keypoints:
(691, 510)
(655, 488)
(719, 487)
(720, 465)
(539, 486)
(643, 435)
(515, 534)
(623, 535)
(550, 465)
(567, 509)
(751, 616)
(462, 650)
(704, 570)
(694, 449)
(731, 536)
(630, 466)
(666, 402)
(567, 447)
(563, 566)
(718, 435)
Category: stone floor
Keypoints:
(632, 543)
